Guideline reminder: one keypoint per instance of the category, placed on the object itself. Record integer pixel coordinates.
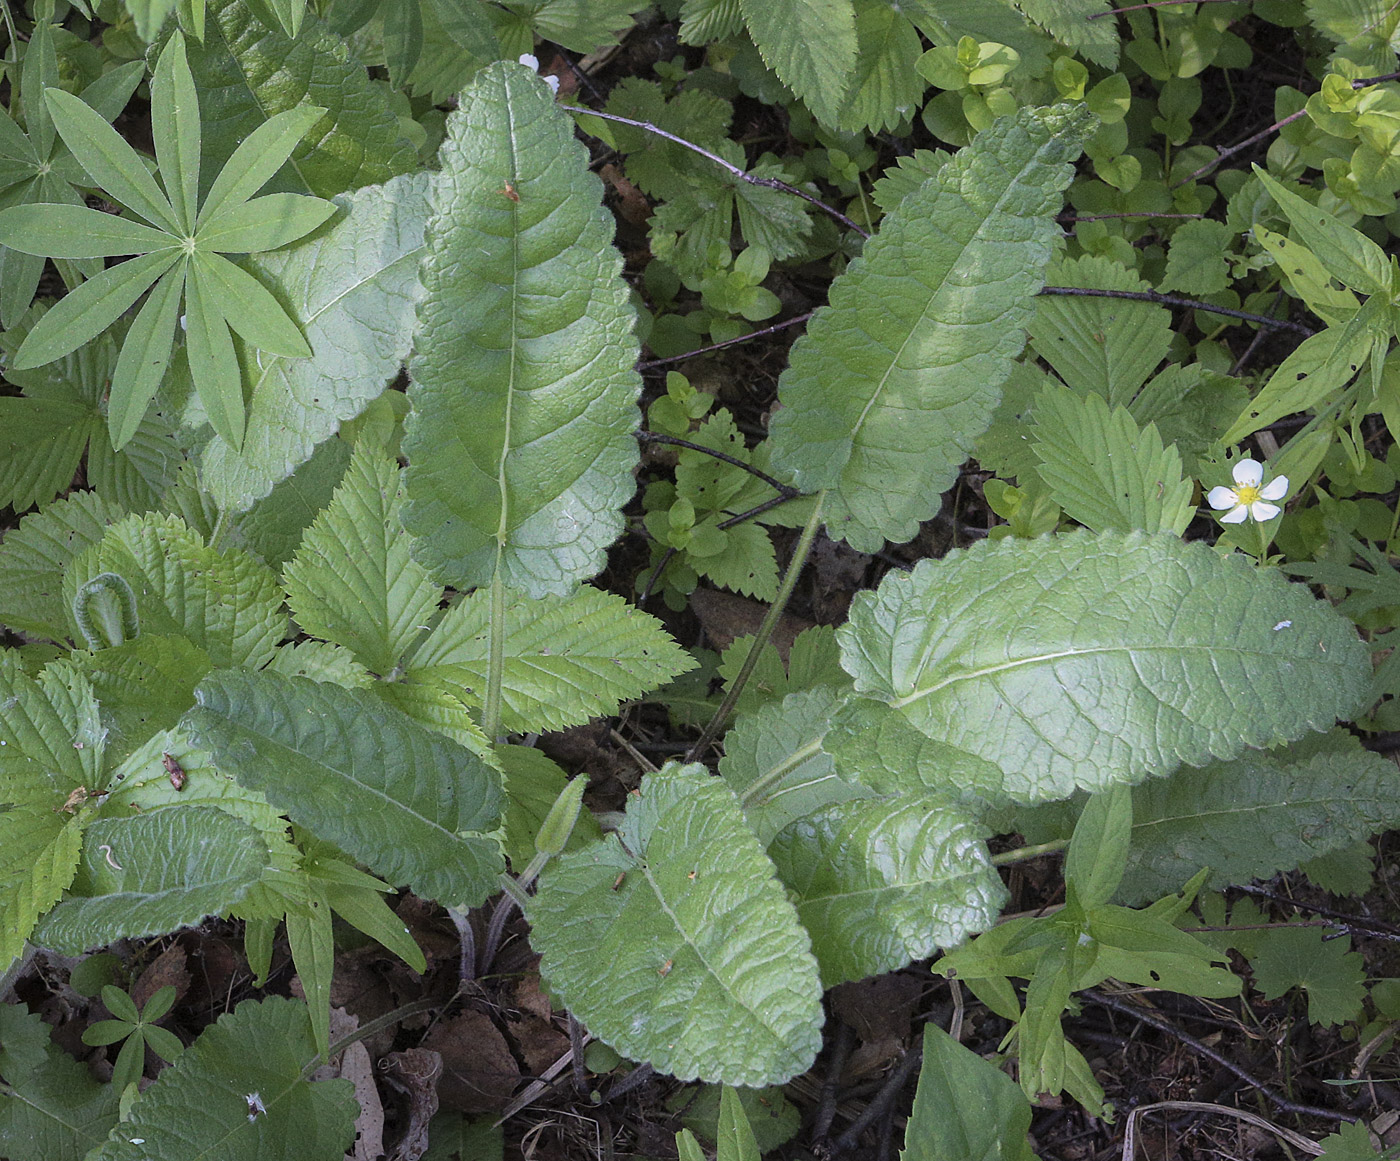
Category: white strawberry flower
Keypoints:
(1247, 498)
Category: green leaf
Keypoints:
(885, 87)
(351, 290)
(153, 873)
(965, 1108)
(34, 555)
(144, 358)
(51, 739)
(57, 1111)
(915, 390)
(735, 1137)
(1080, 24)
(1261, 813)
(1104, 470)
(1196, 258)
(879, 883)
(252, 165)
(414, 806)
(64, 231)
(275, 525)
(84, 313)
(736, 1002)
(176, 130)
(520, 443)
(812, 661)
(1351, 257)
(39, 853)
(209, 346)
(41, 444)
(259, 319)
(567, 659)
(1351, 1142)
(352, 580)
(533, 785)
(810, 44)
(264, 223)
(250, 72)
(1104, 345)
(227, 603)
(773, 760)
(110, 161)
(1327, 969)
(1083, 660)
(202, 1105)
(313, 951)
(1099, 849)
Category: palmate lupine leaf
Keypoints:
(1081, 661)
(520, 443)
(414, 806)
(709, 974)
(893, 381)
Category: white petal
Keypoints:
(553, 83)
(1262, 512)
(530, 61)
(1221, 498)
(1275, 489)
(1235, 516)
(1247, 473)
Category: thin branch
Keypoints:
(893, 1086)
(1351, 924)
(787, 492)
(1172, 300)
(728, 166)
(1152, 4)
(772, 330)
(1068, 217)
(1142, 1015)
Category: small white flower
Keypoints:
(1247, 498)
(530, 61)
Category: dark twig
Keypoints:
(634, 1079)
(1172, 300)
(576, 1043)
(774, 329)
(1069, 217)
(889, 1091)
(1143, 1015)
(1150, 4)
(727, 166)
(831, 1084)
(787, 492)
(1351, 924)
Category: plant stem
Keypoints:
(367, 1030)
(1021, 854)
(496, 657)
(765, 631)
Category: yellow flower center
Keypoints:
(1247, 494)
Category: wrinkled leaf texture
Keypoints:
(708, 973)
(520, 443)
(1081, 661)
(897, 376)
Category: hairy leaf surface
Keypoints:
(810, 44)
(1080, 661)
(567, 659)
(202, 1106)
(520, 443)
(879, 883)
(352, 580)
(351, 288)
(710, 974)
(153, 873)
(893, 381)
(412, 805)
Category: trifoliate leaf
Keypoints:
(1083, 660)
(153, 873)
(567, 659)
(1104, 345)
(1196, 258)
(225, 602)
(412, 805)
(736, 1002)
(812, 661)
(879, 883)
(352, 290)
(352, 580)
(520, 443)
(914, 389)
(1104, 470)
(237, 1092)
(34, 555)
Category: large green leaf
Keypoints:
(520, 443)
(39, 852)
(412, 805)
(879, 883)
(567, 659)
(885, 88)
(153, 873)
(51, 737)
(203, 1105)
(893, 381)
(225, 602)
(34, 555)
(352, 580)
(351, 289)
(810, 44)
(708, 972)
(1079, 661)
(248, 72)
